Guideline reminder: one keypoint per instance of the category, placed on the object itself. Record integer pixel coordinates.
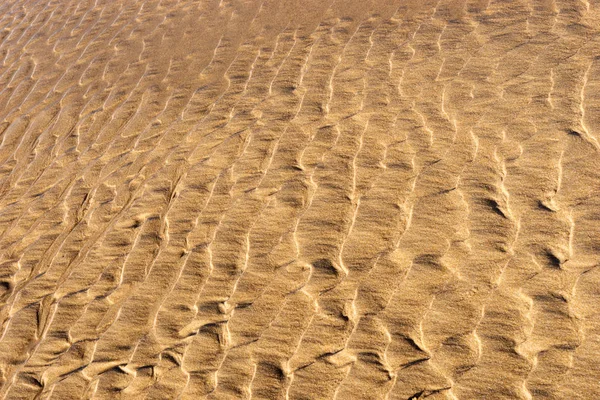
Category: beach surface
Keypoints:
(289, 199)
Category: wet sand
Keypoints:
(299, 199)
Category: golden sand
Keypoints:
(292, 199)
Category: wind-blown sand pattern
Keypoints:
(299, 199)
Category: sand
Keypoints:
(299, 199)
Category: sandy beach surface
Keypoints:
(291, 199)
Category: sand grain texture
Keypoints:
(299, 199)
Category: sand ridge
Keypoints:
(299, 200)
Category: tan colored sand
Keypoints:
(299, 199)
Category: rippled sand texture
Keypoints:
(296, 200)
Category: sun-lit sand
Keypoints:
(298, 199)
